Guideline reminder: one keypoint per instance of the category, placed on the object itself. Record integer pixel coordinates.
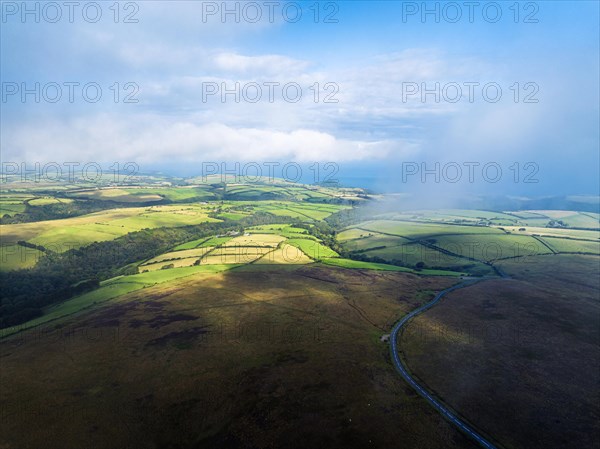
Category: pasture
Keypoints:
(14, 257)
(64, 234)
(421, 230)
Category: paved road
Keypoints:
(413, 383)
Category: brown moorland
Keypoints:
(260, 356)
(522, 354)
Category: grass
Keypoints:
(563, 245)
(261, 240)
(369, 240)
(490, 247)
(313, 249)
(120, 195)
(14, 257)
(190, 245)
(518, 218)
(421, 230)
(557, 232)
(11, 204)
(284, 230)
(231, 258)
(11, 209)
(357, 264)
(113, 288)
(232, 216)
(147, 194)
(262, 245)
(411, 254)
(281, 338)
(285, 254)
(471, 349)
(441, 245)
(44, 201)
(303, 211)
(68, 233)
(168, 265)
(282, 329)
(393, 248)
(183, 254)
(215, 241)
(176, 194)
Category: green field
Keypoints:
(539, 218)
(191, 245)
(422, 230)
(64, 234)
(273, 244)
(442, 246)
(15, 257)
(44, 201)
(182, 254)
(490, 247)
(284, 230)
(147, 194)
(313, 249)
(557, 232)
(356, 264)
(11, 204)
(284, 254)
(564, 245)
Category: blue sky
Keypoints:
(369, 57)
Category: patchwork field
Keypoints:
(453, 246)
(248, 248)
(565, 245)
(285, 254)
(146, 194)
(539, 218)
(61, 235)
(422, 230)
(11, 204)
(270, 319)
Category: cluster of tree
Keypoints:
(56, 211)
(557, 224)
(401, 263)
(327, 230)
(347, 217)
(58, 276)
(31, 245)
(373, 248)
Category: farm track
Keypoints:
(545, 244)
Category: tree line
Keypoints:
(60, 276)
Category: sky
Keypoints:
(474, 97)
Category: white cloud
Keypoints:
(152, 139)
(263, 65)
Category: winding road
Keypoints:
(420, 389)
